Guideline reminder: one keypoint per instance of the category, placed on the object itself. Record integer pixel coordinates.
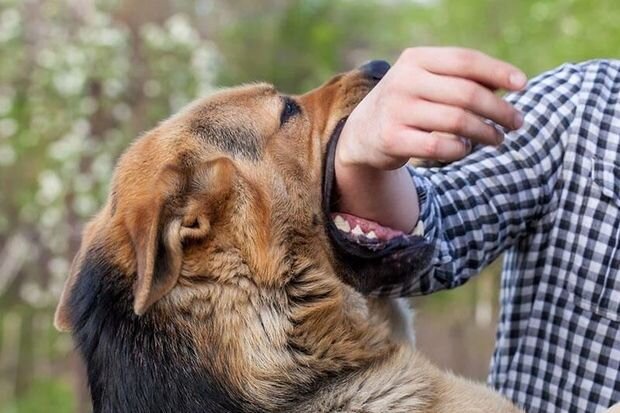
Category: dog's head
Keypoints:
(237, 171)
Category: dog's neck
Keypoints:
(290, 326)
(275, 347)
(138, 364)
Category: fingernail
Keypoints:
(518, 120)
(467, 143)
(499, 137)
(518, 79)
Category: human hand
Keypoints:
(429, 105)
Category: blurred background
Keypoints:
(79, 79)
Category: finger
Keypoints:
(413, 143)
(469, 95)
(470, 64)
(431, 116)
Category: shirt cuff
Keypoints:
(430, 227)
(428, 224)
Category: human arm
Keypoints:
(474, 209)
(428, 90)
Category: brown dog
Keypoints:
(208, 282)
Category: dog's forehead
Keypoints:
(234, 121)
(229, 104)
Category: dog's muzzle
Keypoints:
(372, 266)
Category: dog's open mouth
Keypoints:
(349, 231)
(373, 258)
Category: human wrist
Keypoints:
(385, 196)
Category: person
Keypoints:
(542, 185)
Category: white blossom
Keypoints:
(50, 187)
(8, 127)
(7, 155)
(6, 103)
(181, 31)
(10, 22)
(69, 82)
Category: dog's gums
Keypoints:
(363, 229)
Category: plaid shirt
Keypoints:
(549, 197)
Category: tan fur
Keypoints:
(249, 269)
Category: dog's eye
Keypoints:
(290, 109)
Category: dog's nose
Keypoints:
(375, 69)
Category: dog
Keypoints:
(209, 282)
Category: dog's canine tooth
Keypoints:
(419, 229)
(357, 231)
(371, 235)
(342, 224)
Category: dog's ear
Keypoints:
(62, 316)
(182, 210)
(181, 206)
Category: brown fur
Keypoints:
(215, 220)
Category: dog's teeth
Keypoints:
(419, 229)
(357, 231)
(342, 224)
(371, 235)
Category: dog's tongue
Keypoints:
(361, 227)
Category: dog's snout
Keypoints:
(375, 69)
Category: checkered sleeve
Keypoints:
(474, 209)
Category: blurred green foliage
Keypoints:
(44, 395)
(298, 44)
(80, 78)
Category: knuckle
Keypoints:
(409, 54)
(471, 94)
(458, 121)
(393, 144)
(431, 148)
(387, 139)
(390, 89)
(464, 58)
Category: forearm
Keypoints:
(477, 208)
(428, 106)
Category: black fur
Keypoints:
(237, 141)
(138, 364)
